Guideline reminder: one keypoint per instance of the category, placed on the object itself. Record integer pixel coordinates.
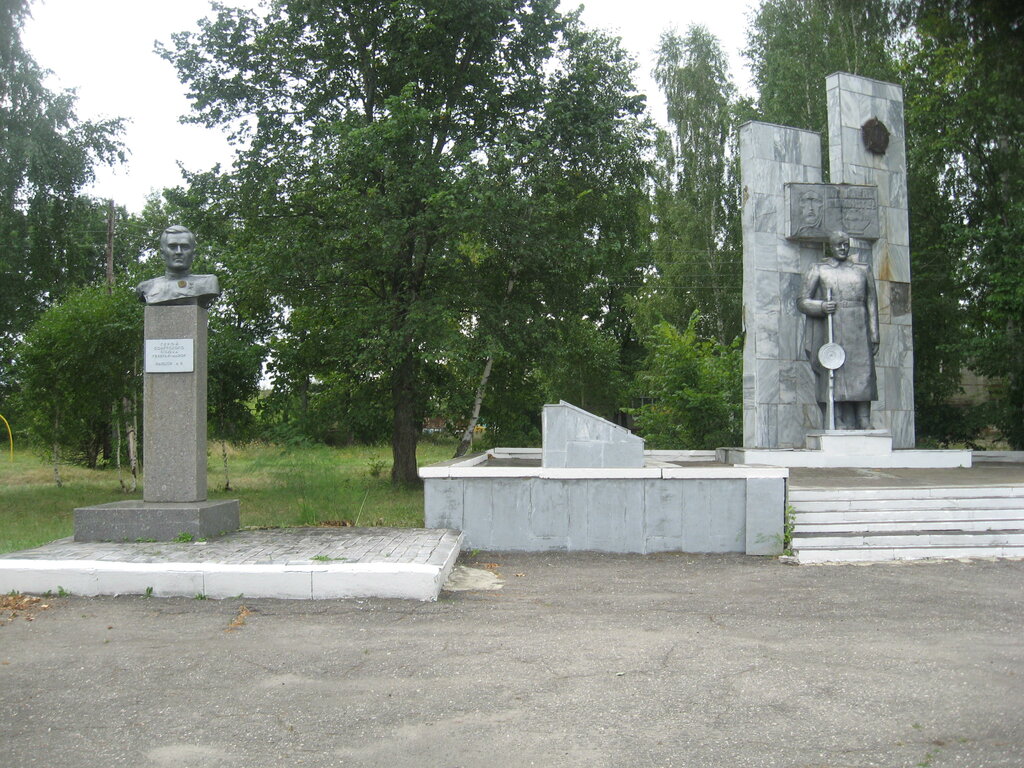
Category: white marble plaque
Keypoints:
(169, 356)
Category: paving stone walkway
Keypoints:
(276, 546)
(281, 562)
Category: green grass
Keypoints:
(277, 486)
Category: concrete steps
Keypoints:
(876, 524)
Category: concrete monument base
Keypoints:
(847, 448)
(851, 442)
(156, 521)
(679, 501)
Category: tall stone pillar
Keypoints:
(174, 404)
(867, 146)
(778, 385)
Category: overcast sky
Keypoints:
(104, 49)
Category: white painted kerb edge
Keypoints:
(413, 581)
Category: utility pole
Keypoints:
(110, 247)
(128, 405)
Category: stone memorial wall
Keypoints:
(788, 214)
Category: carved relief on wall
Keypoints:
(817, 210)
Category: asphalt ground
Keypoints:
(578, 660)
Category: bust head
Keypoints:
(178, 286)
(840, 244)
(178, 246)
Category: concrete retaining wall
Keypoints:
(658, 508)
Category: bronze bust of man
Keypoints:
(178, 285)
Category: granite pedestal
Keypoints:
(156, 521)
(174, 403)
(174, 502)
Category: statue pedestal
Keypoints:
(174, 404)
(174, 502)
(156, 521)
(846, 448)
(851, 442)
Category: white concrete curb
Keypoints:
(296, 580)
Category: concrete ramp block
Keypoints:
(573, 437)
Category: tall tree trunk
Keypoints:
(110, 247)
(56, 449)
(92, 451)
(407, 424)
(131, 428)
(107, 443)
(467, 436)
(224, 458)
(405, 430)
(224, 455)
(117, 448)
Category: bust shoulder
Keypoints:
(191, 289)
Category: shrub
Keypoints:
(692, 388)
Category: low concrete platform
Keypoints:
(295, 563)
(1008, 470)
(840, 459)
(680, 501)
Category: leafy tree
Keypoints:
(234, 369)
(562, 241)
(963, 70)
(697, 245)
(587, 372)
(75, 367)
(53, 239)
(318, 394)
(692, 389)
(939, 278)
(378, 136)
